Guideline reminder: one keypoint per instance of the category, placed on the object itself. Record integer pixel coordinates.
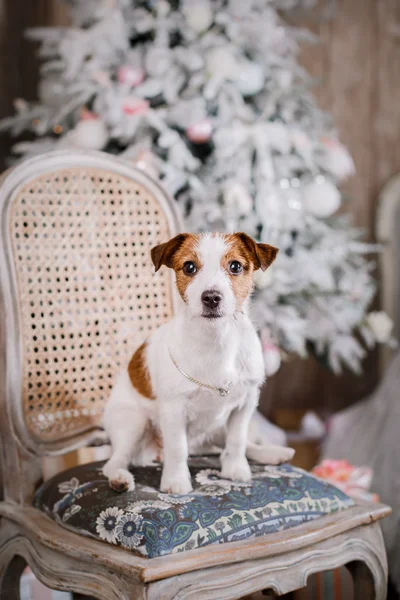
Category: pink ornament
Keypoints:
(103, 78)
(135, 106)
(88, 115)
(200, 132)
(132, 76)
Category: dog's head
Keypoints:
(214, 270)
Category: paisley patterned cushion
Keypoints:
(217, 511)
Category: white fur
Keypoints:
(210, 277)
(219, 351)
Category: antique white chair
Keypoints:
(78, 294)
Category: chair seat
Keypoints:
(154, 524)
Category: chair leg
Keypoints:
(368, 585)
(10, 577)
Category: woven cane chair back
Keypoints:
(80, 290)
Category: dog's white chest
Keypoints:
(208, 411)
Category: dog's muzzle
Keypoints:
(211, 301)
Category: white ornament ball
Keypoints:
(163, 8)
(199, 133)
(134, 106)
(272, 359)
(381, 326)
(221, 62)
(321, 198)
(250, 79)
(89, 134)
(237, 199)
(131, 76)
(198, 14)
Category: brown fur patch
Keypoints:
(242, 284)
(174, 254)
(186, 252)
(139, 374)
(252, 256)
(164, 253)
(262, 255)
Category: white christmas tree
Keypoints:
(209, 96)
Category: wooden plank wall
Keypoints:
(18, 63)
(357, 65)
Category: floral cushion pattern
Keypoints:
(217, 511)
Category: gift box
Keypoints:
(353, 481)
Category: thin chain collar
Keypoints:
(222, 391)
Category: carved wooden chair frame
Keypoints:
(63, 560)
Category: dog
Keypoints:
(197, 378)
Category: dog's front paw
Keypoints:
(176, 484)
(235, 469)
(122, 481)
(119, 480)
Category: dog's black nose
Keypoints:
(211, 298)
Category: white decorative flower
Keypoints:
(212, 490)
(212, 477)
(137, 507)
(178, 499)
(128, 530)
(277, 472)
(70, 512)
(68, 487)
(106, 524)
(381, 325)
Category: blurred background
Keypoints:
(342, 56)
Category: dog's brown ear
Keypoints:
(262, 255)
(163, 253)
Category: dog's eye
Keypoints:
(235, 267)
(189, 268)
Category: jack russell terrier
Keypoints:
(197, 378)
